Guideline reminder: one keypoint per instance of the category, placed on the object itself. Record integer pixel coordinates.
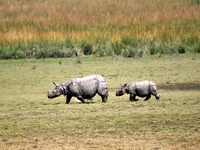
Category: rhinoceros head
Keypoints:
(122, 90)
(57, 91)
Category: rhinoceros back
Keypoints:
(87, 86)
(90, 85)
(142, 88)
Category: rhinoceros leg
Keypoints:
(153, 90)
(148, 97)
(81, 98)
(104, 98)
(103, 92)
(133, 97)
(68, 98)
(157, 96)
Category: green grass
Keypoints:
(29, 120)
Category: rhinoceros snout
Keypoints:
(49, 95)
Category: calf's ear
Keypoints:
(55, 84)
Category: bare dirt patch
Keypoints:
(99, 142)
(180, 86)
(85, 143)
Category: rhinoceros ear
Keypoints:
(55, 84)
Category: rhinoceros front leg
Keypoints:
(68, 98)
(132, 97)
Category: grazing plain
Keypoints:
(28, 120)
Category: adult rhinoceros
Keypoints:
(81, 88)
(141, 89)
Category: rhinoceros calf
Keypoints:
(141, 89)
(81, 88)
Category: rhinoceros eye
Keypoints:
(54, 92)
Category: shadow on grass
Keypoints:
(61, 102)
(56, 103)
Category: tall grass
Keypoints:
(151, 22)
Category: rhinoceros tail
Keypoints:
(153, 90)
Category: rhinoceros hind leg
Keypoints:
(104, 98)
(148, 97)
(81, 99)
(157, 96)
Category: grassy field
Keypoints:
(28, 120)
(43, 28)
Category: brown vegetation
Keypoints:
(79, 20)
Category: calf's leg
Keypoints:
(157, 96)
(148, 97)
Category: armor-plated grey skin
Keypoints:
(141, 89)
(81, 88)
